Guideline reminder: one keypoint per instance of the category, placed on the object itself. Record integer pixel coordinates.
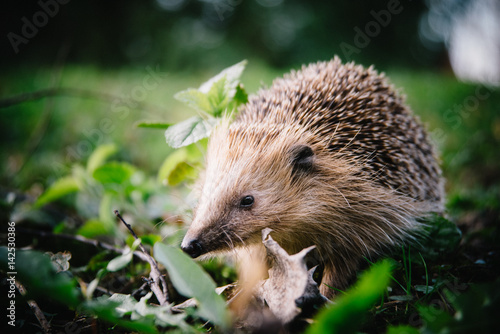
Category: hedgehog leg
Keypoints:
(336, 278)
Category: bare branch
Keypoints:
(36, 309)
(157, 284)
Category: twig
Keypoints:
(143, 286)
(36, 309)
(160, 290)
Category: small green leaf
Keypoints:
(126, 303)
(424, 288)
(344, 316)
(120, 261)
(150, 239)
(172, 160)
(191, 281)
(113, 172)
(37, 273)
(58, 189)
(124, 259)
(401, 297)
(89, 292)
(218, 96)
(189, 131)
(194, 99)
(215, 95)
(93, 228)
(105, 212)
(182, 172)
(232, 79)
(190, 155)
(241, 96)
(153, 125)
(100, 155)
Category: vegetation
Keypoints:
(68, 168)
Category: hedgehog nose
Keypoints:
(192, 247)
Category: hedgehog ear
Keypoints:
(302, 157)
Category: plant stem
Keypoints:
(160, 290)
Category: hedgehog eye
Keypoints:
(246, 201)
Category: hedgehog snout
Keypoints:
(192, 247)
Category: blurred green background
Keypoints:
(96, 59)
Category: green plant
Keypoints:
(100, 187)
(213, 100)
(346, 314)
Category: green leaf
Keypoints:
(216, 95)
(191, 281)
(105, 213)
(89, 291)
(426, 289)
(194, 99)
(149, 239)
(126, 303)
(124, 259)
(170, 162)
(401, 297)
(241, 96)
(344, 316)
(153, 124)
(189, 131)
(231, 76)
(108, 309)
(161, 314)
(100, 155)
(442, 237)
(58, 189)
(113, 172)
(120, 261)
(93, 228)
(182, 172)
(36, 272)
(142, 314)
(402, 329)
(191, 155)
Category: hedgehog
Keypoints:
(328, 156)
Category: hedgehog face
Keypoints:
(251, 182)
